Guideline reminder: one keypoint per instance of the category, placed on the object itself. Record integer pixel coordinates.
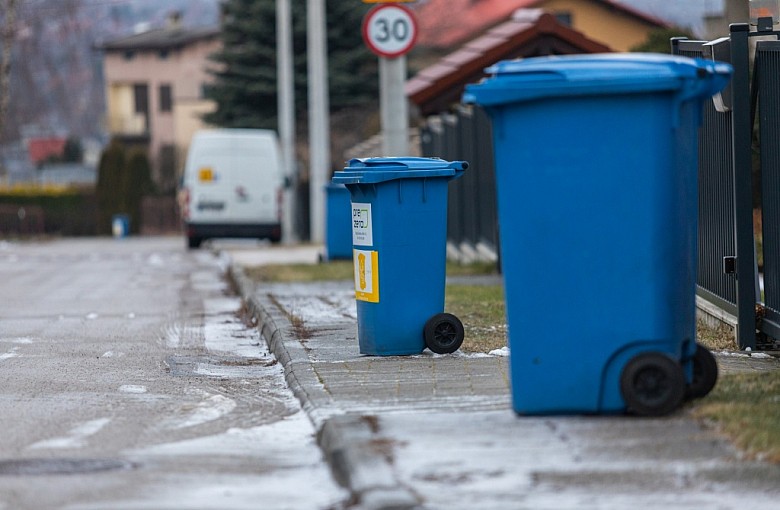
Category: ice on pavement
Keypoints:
(284, 452)
(563, 463)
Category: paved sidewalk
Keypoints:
(437, 432)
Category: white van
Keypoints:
(232, 186)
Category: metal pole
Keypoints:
(319, 139)
(393, 105)
(743, 185)
(286, 111)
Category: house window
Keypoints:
(166, 98)
(129, 54)
(564, 18)
(162, 54)
(141, 95)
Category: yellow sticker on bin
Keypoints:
(366, 264)
(206, 174)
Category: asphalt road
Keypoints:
(129, 379)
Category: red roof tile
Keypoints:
(39, 149)
(437, 87)
(448, 23)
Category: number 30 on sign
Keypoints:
(389, 30)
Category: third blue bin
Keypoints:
(399, 236)
(338, 234)
(596, 170)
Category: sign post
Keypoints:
(390, 31)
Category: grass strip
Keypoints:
(481, 310)
(746, 408)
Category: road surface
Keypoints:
(129, 378)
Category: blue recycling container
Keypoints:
(120, 225)
(338, 232)
(596, 174)
(399, 234)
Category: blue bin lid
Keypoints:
(376, 170)
(599, 74)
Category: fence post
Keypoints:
(743, 185)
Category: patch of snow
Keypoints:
(302, 254)
(733, 354)
(212, 407)
(132, 388)
(92, 316)
(75, 438)
(19, 340)
(10, 354)
(504, 351)
(155, 260)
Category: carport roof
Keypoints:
(529, 33)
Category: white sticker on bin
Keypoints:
(362, 225)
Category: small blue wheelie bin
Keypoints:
(399, 237)
(596, 170)
(338, 235)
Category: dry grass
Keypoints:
(746, 408)
(481, 309)
(716, 338)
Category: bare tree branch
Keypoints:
(7, 35)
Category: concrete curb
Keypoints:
(350, 443)
(361, 460)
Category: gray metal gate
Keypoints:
(471, 219)
(726, 182)
(716, 199)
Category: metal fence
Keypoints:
(728, 177)
(472, 225)
(716, 234)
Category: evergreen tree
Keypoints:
(658, 41)
(136, 184)
(245, 79)
(73, 152)
(109, 188)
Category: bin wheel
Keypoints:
(652, 384)
(705, 373)
(443, 333)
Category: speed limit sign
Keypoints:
(389, 30)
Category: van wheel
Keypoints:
(194, 243)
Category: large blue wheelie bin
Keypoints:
(399, 237)
(596, 174)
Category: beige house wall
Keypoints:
(616, 29)
(187, 120)
(185, 70)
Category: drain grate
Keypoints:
(34, 467)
